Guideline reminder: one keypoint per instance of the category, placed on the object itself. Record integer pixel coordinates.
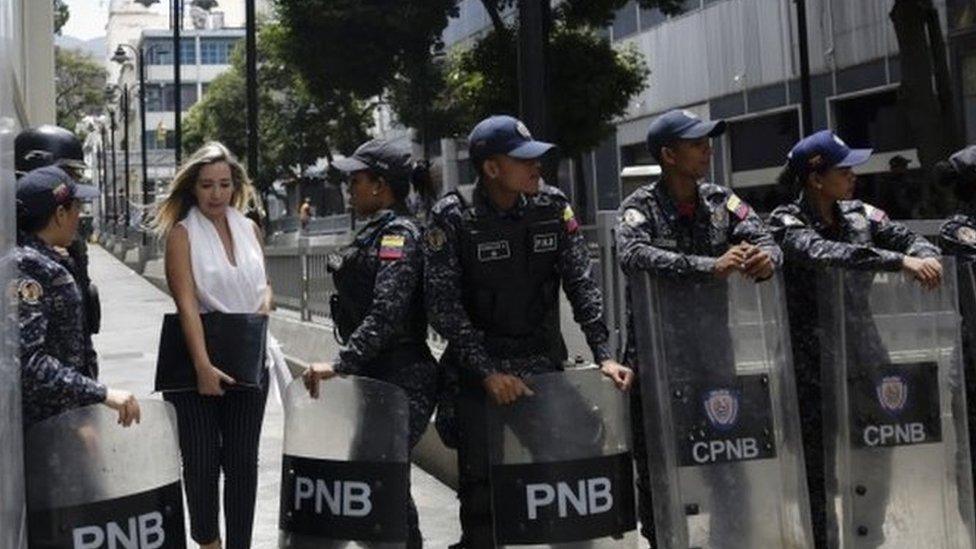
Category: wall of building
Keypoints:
(26, 99)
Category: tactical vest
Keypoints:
(510, 283)
(354, 269)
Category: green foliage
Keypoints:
(295, 126)
(359, 46)
(79, 88)
(61, 15)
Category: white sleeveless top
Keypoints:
(223, 287)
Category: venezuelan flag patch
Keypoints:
(569, 219)
(739, 208)
(391, 247)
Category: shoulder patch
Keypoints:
(569, 220)
(391, 246)
(30, 291)
(875, 214)
(739, 208)
(633, 217)
(966, 235)
(790, 220)
(435, 239)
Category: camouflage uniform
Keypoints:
(379, 315)
(655, 235)
(492, 281)
(56, 356)
(864, 240)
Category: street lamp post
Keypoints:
(176, 13)
(121, 58)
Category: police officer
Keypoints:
(958, 234)
(378, 308)
(682, 226)
(825, 227)
(56, 369)
(52, 145)
(495, 260)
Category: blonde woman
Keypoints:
(215, 262)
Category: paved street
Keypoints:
(132, 313)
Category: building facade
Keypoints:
(26, 99)
(739, 60)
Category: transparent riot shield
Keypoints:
(561, 471)
(345, 471)
(92, 483)
(897, 451)
(720, 413)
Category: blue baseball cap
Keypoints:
(41, 191)
(506, 135)
(824, 150)
(680, 124)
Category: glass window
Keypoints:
(216, 51)
(160, 52)
(625, 21)
(159, 97)
(154, 143)
(779, 133)
(874, 121)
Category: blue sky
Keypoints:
(87, 19)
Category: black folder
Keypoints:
(236, 343)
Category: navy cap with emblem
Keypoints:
(41, 191)
(505, 135)
(824, 150)
(680, 124)
(964, 162)
(382, 156)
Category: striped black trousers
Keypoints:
(220, 433)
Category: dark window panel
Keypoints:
(779, 132)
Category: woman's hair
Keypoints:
(174, 208)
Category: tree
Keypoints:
(925, 94)
(61, 15)
(359, 46)
(80, 85)
(295, 127)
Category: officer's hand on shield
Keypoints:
(927, 271)
(758, 264)
(729, 262)
(315, 372)
(125, 403)
(505, 388)
(620, 374)
(209, 379)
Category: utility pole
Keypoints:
(806, 100)
(252, 89)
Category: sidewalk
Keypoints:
(132, 314)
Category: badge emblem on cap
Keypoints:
(966, 234)
(689, 114)
(61, 192)
(523, 130)
(840, 141)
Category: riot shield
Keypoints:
(720, 413)
(896, 441)
(561, 471)
(345, 472)
(92, 483)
